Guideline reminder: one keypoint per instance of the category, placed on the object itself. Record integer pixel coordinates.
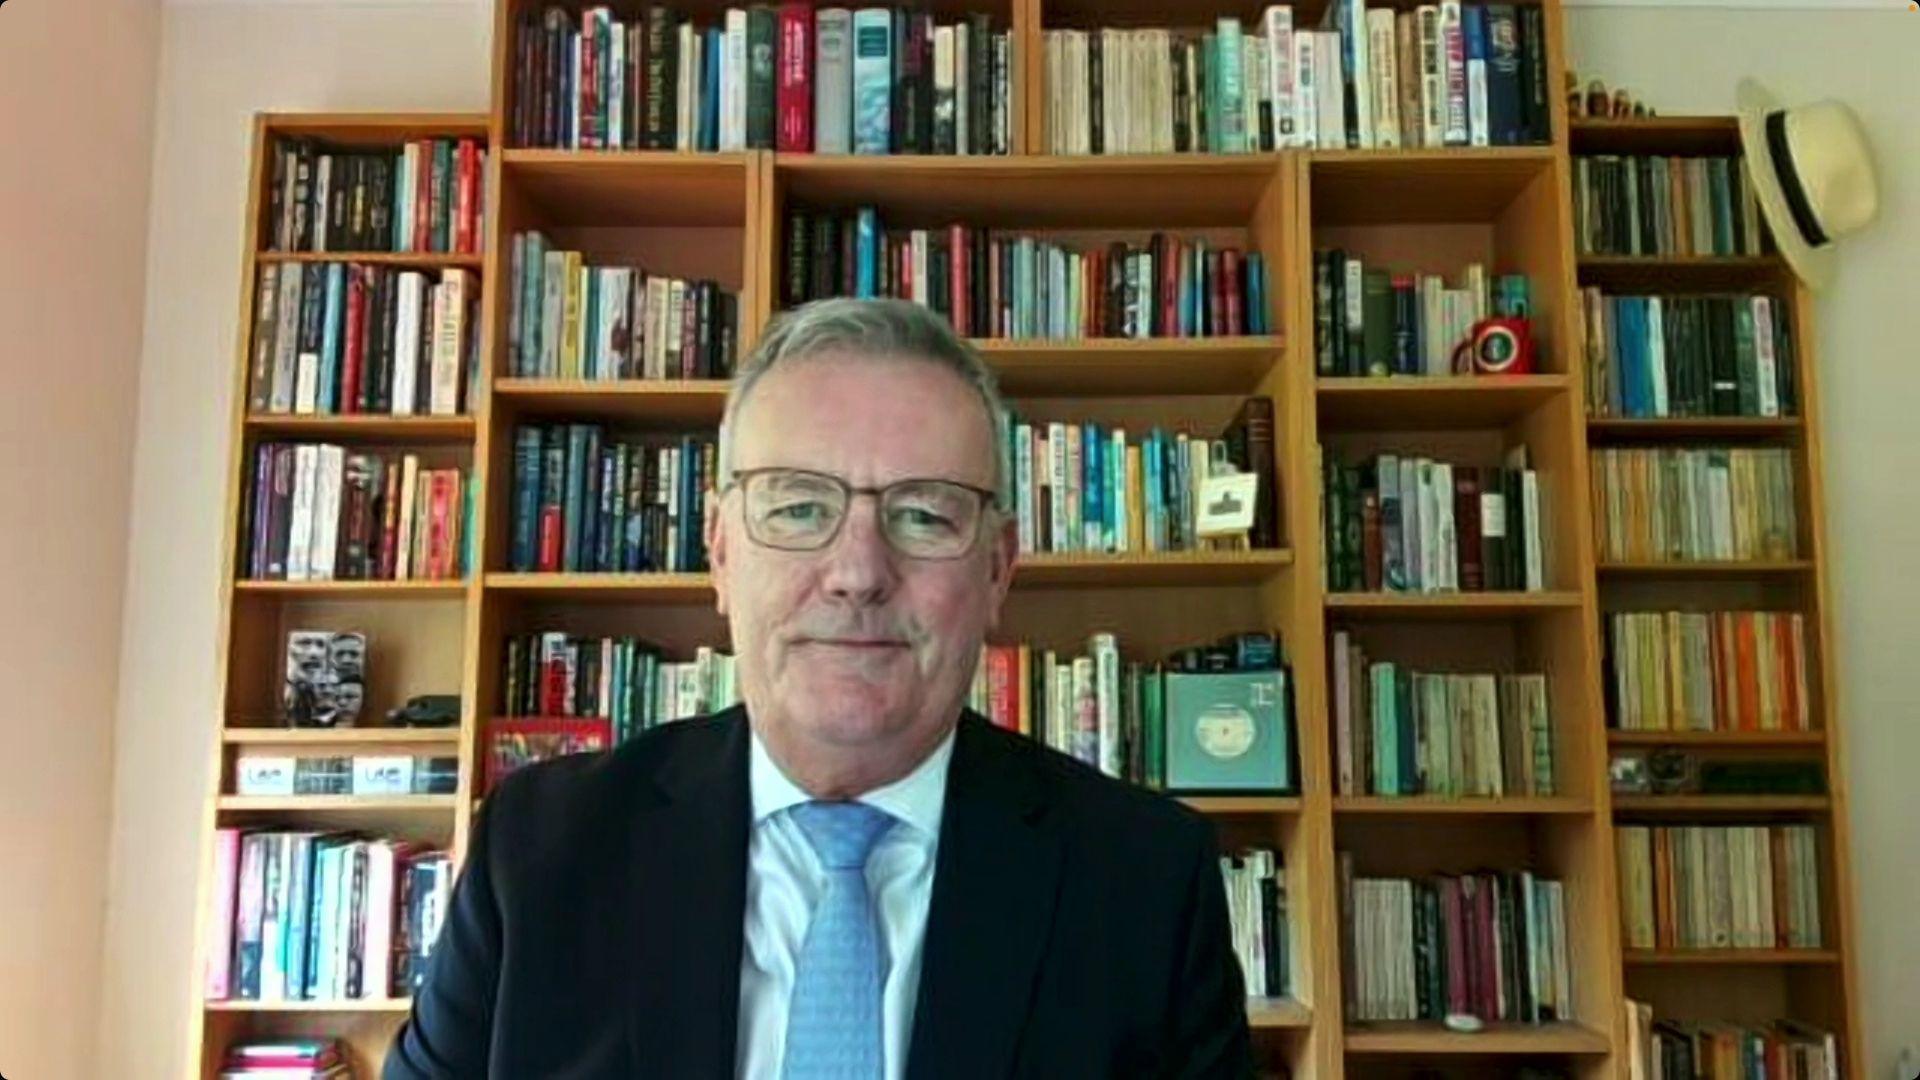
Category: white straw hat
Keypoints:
(1812, 174)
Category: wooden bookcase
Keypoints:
(720, 215)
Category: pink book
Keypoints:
(226, 871)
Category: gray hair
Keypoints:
(877, 328)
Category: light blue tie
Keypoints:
(833, 1021)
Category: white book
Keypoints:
(1106, 672)
(306, 460)
(617, 119)
(286, 338)
(1253, 68)
(676, 328)
(1277, 22)
(406, 340)
(1453, 51)
(449, 341)
(409, 501)
(1766, 362)
(1535, 528)
(1479, 130)
(1306, 102)
(1330, 84)
(1431, 44)
(945, 100)
(376, 941)
(329, 470)
(1386, 78)
(1446, 545)
(322, 200)
(733, 82)
(833, 81)
(306, 384)
(1361, 73)
(686, 112)
(1058, 535)
(573, 99)
(962, 111)
(1023, 492)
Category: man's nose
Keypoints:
(861, 567)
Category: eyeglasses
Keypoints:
(802, 510)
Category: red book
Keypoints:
(1749, 672)
(423, 184)
(1466, 530)
(588, 91)
(793, 97)
(350, 373)
(436, 525)
(957, 276)
(464, 215)
(1216, 296)
(1455, 932)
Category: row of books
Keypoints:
(307, 916)
(1708, 671)
(332, 338)
(1404, 732)
(624, 680)
(1445, 74)
(321, 512)
(993, 284)
(1692, 504)
(1256, 886)
(1662, 356)
(586, 499)
(873, 80)
(1084, 487)
(1371, 320)
(1719, 886)
(425, 195)
(1111, 713)
(1403, 523)
(1664, 206)
(285, 1058)
(569, 320)
(1489, 945)
(1706, 1050)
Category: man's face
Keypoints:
(854, 645)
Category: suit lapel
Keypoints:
(687, 867)
(996, 879)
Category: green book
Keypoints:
(1376, 326)
(1746, 363)
(1386, 732)
(760, 51)
(1230, 134)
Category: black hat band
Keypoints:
(1789, 178)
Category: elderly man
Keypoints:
(850, 875)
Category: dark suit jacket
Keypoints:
(1078, 925)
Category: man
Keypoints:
(849, 875)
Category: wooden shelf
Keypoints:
(370, 129)
(685, 588)
(363, 427)
(1418, 187)
(1716, 738)
(1130, 366)
(342, 1005)
(1167, 568)
(634, 188)
(1421, 1037)
(355, 590)
(335, 804)
(1425, 805)
(1719, 569)
(1273, 1014)
(1456, 605)
(1228, 805)
(1417, 402)
(1728, 957)
(405, 260)
(329, 737)
(1682, 273)
(1721, 804)
(677, 403)
(1691, 428)
(1686, 135)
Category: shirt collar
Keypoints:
(918, 798)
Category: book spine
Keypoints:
(872, 78)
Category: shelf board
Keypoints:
(1455, 605)
(1721, 804)
(604, 188)
(1424, 805)
(1458, 184)
(344, 1005)
(1417, 402)
(1716, 738)
(354, 129)
(1163, 568)
(1728, 568)
(364, 736)
(1678, 272)
(686, 588)
(415, 260)
(356, 590)
(361, 427)
(1728, 957)
(1687, 135)
(671, 402)
(323, 804)
(1425, 1037)
(1243, 804)
(1127, 366)
(1267, 1014)
(1093, 191)
(1689, 428)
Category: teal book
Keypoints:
(327, 391)
(1229, 731)
(1230, 134)
(872, 80)
(1386, 732)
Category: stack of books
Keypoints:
(1708, 671)
(1685, 504)
(1706, 1050)
(1664, 206)
(1369, 320)
(1403, 523)
(425, 196)
(321, 512)
(1096, 707)
(1650, 357)
(1719, 886)
(623, 680)
(586, 500)
(1256, 887)
(286, 1058)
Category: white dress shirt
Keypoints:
(785, 881)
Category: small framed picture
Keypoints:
(1628, 773)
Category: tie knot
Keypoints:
(842, 833)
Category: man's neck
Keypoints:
(832, 771)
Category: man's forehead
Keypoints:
(894, 416)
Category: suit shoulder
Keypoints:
(1105, 808)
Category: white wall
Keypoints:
(1682, 61)
(73, 234)
(220, 62)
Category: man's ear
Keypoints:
(1004, 551)
(713, 528)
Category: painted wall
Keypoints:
(73, 236)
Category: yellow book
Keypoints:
(570, 322)
(1023, 694)
(1136, 498)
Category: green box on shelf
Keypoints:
(1229, 731)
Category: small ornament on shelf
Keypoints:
(1598, 104)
